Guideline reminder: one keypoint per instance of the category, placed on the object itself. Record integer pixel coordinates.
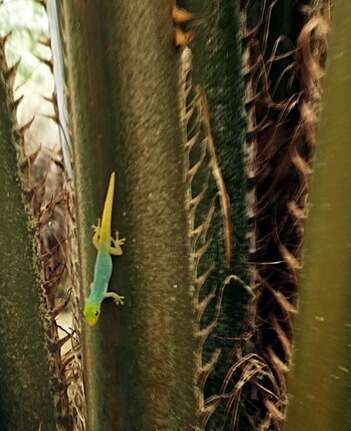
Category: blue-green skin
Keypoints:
(98, 292)
(102, 275)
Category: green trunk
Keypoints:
(320, 384)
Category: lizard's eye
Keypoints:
(96, 313)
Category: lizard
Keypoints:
(106, 246)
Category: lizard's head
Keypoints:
(91, 313)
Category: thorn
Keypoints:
(58, 163)
(193, 140)
(63, 340)
(10, 73)
(46, 41)
(283, 301)
(291, 261)
(195, 168)
(190, 110)
(32, 157)
(206, 331)
(182, 38)
(208, 409)
(49, 63)
(15, 103)
(54, 118)
(204, 371)
(3, 39)
(277, 361)
(201, 251)
(194, 202)
(201, 306)
(61, 306)
(200, 281)
(181, 16)
(68, 358)
(52, 99)
(273, 410)
(282, 337)
(296, 211)
(42, 2)
(21, 129)
(208, 220)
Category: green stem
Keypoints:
(320, 383)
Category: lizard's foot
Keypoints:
(118, 299)
(97, 227)
(116, 249)
(96, 236)
(118, 241)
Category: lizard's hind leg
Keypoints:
(96, 236)
(118, 299)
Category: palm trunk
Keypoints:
(320, 383)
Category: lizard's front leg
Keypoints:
(116, 250)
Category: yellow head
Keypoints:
(91, 313)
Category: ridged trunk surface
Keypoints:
(27, 399)
(123, 81)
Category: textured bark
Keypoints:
(27, 398)
(122, 76)
(217, 71)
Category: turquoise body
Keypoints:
(102, 275)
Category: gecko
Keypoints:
(105, 246)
